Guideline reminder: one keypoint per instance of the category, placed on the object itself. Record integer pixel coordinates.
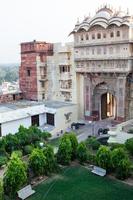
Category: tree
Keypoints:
(74, 144)
(123, 169)
(82, 152)
(37, 161)
(103, 157)
(11, 142)
(129, 145)
(23, 136)
(1, 190)
(15, 176)
(50, 164)
(64, 153)
(117, 155)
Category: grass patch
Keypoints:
(80, 184)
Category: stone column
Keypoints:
(120, 95)
(87, 97)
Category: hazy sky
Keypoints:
(45, 20)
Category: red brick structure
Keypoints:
(5, 98)
(33, 54)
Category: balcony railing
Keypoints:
(104, 69)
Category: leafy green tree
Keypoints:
(37, 161)
(15, 176)
(11, 142)
(22, 136)
(82, 152)
(1, 190)
(103, 157)
(50, 164)
(64, 153)
(74, 144)
(117, 155)
(123, 169)
(129, 145)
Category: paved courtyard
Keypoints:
(92, 129)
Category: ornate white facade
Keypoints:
(103, 55)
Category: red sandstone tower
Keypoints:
(33, 69)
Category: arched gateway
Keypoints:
(104, 101)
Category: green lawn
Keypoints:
(77, 183)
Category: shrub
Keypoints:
(28, 149)
(129, 145)
(82, 152)
(103, 157)
(11, 143)
(19, 153)
(91, 158)
(3, 160)
(93, 143)
(64, 153)
(37, 161)
(116, 145)
(117, 155)
(1, 190)
(50, 164)
(74, 144)
(15, 176)
(123, 169)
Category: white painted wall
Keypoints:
(12, 126)
(60, 121)
(42, 119)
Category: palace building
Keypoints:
(103, 56)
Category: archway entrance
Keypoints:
(108, 106)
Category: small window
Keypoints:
(111, 34)
(104, 35)
(118, 33)
(99, 36)
(28, 72)
(35, 120)
(42, 84)
(50, 119)
(93, 36)
(87, 37)
(82, 38)
(43, 96)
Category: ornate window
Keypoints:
(104, 35)
(81, 37)
(112, 34)
(118, 33)
(93, 36)
(99, 36)
(87, 36)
